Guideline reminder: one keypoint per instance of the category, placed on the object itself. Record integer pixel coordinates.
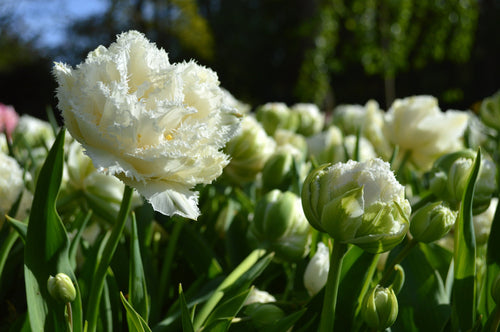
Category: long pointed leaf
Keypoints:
(138, 294)
(464, 288)
(136, 322)
(46, 250)
(187, 323)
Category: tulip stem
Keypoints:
(105, 259)
(332, 285)
(398, 259)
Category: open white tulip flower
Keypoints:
(418, 126)
(159, 127)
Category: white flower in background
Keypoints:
(327, 146)
(82, 175)
(11, 183)
(311, 120)
(32, 132)
(482, 222)
(366, 150)
(258, 296)
(275, 116)
(3, 143)
(417, 125)
(286, 137)
(316, 272)
(249, 151)
(159, 127)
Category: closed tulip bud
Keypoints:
(380, 308)
(316, 272)
(432, 222)
(279, 225)
(311, 121)
(61, 288)
(450, 173)
(490, 111)
(264, 314)
(275, 116)
(278, 170)
(249, 151)
(357, 203)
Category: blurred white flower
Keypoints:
(366, 150)
(311, 120)
(11, 183)
(159, 127)
(316, 272)
(258, 296)
(326, 146)
(32, 132)
(249, 151)
(419, 127)
(482, 222)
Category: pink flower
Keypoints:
(8, 119)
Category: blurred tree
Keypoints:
(390, 36)
(176, 24)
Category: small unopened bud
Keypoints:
(61, 288)
(264, 314)
(316, 272)
(432, 222)
(380, 308)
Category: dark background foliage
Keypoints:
(323, 51)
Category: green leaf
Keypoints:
(221, 317)
(135, 322)
(46, 249)
(423, 300)
(464, 286)
(138, 293)
(241, 276)
(76, 240)
(285, 323)
(20, 227)
(187, 324)
(5, 248)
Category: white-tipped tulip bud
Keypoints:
(380, 308)
(490, 111)
(275, 116)
(311, 121)
(357, 203)
(316, 272)
(279, 225)
(249, 151)
(61, 288)
(432, 222)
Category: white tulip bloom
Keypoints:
(258, 296)
(11, 183)
(159, 127)
(417, 125)
(316, 272)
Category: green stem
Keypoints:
(426, 198)
(332, 286)
(169, 257)
(5, 249)
(105, 260)
(70, 316)
(495, 323)
(399, 258)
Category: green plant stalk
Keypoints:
(230, 279)
(366, 286)
(167, 264)
(105, 260)
(398, 259)
(332, 286)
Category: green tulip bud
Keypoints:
(380, 308)
(278, 171)
(311, 121)
(61, 288)
(495, 289)
(432, 222)
(288, 138)
(249, 151)
(279, 225)
(273, 116)
(357, 203)
(450, 173)
(264, 314)
(490, 111)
